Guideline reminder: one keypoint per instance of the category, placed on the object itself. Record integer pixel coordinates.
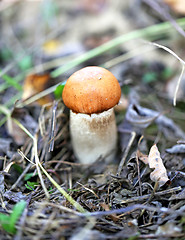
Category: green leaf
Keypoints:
(17, 168)
(5, 54)
(25, 63)
(2, 121)
(8, 222)
(149, 77)
(51, 190)
(73, 190)
(17, 212)
(167, 73)
(4, 221)
(58, 91)
(136, 237)
(31, 185)
(29, 175)
(126, 89)
(49, 10)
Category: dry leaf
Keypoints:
(140, 118)
(106, 208)
(122, 105)
(168, 228)
(36, 83)
(142, 157)
(16, 132)
(22, 116)
(159, 174)
(52, 47)
(178, 148)
(177, 5)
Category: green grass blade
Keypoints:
(3, 120)
(15, 215)
(8, 222)
(11, 81)
(4, 221)
(150, 32)
(13, 99)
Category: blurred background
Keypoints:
(42, 42)
(38, 36)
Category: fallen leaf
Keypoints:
(177, 5)
(106, 208)
(52, 47)
(14, 196)
(168, 228)
(178, 148)
(26, 120)
(16, 132)
(36, 83)
(140, 118)
(155, 162)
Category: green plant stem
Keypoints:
(38, 164)
(11, 81)
(150, 32)
(23, 128)
(64, 193)
(6, 84)
(61, 190)
(12, 100)
(2, 121)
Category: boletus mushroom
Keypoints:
(90, 94)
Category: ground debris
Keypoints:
(178, 148)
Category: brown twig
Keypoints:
(122, 162)
(147, 196)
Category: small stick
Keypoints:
(142, 198)
(122, 162)
(139, 174)
(53, 121)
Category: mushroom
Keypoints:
(90, 94)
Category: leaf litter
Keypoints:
(138, 196)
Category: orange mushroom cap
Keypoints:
(91, 90)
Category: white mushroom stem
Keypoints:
(93, 136)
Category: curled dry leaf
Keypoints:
(140, 118)
(159, 174)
